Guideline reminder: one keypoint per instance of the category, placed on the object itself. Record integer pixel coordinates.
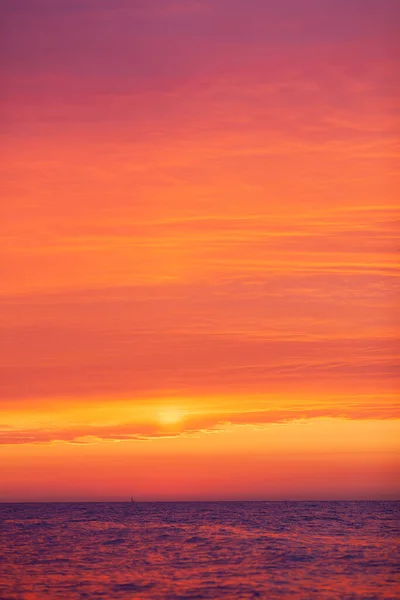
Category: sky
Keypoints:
(199, 265)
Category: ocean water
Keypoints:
(199, 550)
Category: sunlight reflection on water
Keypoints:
(199, 550)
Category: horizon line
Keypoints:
(394, 499)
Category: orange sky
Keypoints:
(200, 249)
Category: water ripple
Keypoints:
(219, 550)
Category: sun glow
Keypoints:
(170, 416)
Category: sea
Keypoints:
(194, 550)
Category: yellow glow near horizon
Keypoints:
(170, 416)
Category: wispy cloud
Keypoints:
(190, 424)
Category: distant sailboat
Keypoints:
(132, 500)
